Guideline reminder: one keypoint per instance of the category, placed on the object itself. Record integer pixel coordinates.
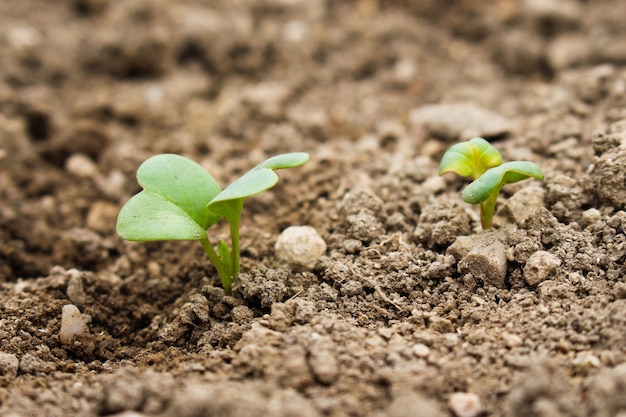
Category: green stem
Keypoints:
(487, 208)
(234, 251)
(222, 269)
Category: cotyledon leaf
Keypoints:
(260, 178)
(172, 205)
(470, 159)
(494, 178)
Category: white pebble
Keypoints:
(81, 166)
(300, 246)
(421, 350)
(465, 404)
(73, 326)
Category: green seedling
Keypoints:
(180, 200)
(481, 161)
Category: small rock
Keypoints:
(75, 288)
(74, 332)
(465, 404)
(9, 365)
(81, 165)
(421, 350)
(520, 206)
(539, 267)
(460, 121)
(512, 340)
(300, 246)
(590, 216)
(487, 262)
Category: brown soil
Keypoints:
(411, 303)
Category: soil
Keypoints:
(412, 310)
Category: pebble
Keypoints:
(539, 266)
(74, 332)
(460, 121)
(75, 288)
(512, 340)
(82, 166)
(590, 216)
(465, 404)
(421, 350)
(520, 206)
(9, 365)
(486, 262)
(300, 246)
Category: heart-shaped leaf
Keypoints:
(470, 159)
(172, 205)
(493, 179)
(260, 178)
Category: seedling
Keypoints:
(181, 200)
(481, 161)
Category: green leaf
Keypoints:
(470, 159)
(260, 178)
(286, 160)
(493, 179)
(148, 216)
(173, 203)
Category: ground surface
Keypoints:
(398, 316)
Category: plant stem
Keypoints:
(222, 269)
(234, 252)
(487, 208)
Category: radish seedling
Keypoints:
(181, 200)
(481, 161)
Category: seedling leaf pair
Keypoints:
(181, 200)
(481, 161)
(172, 205)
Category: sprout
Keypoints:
(481, 161)
(181, 200)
